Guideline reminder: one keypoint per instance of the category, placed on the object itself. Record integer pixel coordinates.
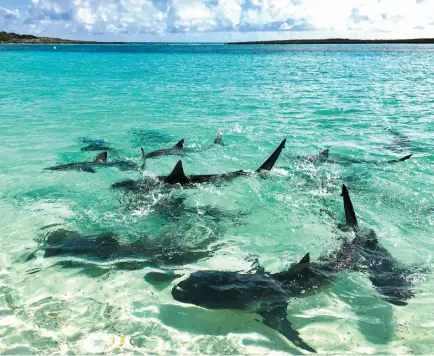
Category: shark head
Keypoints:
(208, 289)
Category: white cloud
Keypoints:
(9, 18)
(354, 18)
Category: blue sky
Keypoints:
(218, 20)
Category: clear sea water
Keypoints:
(368, 103)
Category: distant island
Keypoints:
(339, 41)
(15, 38)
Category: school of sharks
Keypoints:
(264, 293)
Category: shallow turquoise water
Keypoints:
(366, 102)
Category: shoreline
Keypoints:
(54, 41)
(339, 41)
(61, 43)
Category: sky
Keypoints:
(218, 20)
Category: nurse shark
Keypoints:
(179, 149)
(267, 294)
(99, 161)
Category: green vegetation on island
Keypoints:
(15, 38)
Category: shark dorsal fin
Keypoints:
(179, 145)
(143, 158)
(101, 158)
(350, 215)
(177, 175)
(296, 268)
(218, 138)
(405, 158)
(305, 259)
(325, 153)
(269, 163)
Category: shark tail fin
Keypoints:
(143, 158)
(269, 163)
(177, 175)
(218, 139)
(350, 215)
(405, 158)
(179, 145)
(325, 153)
(101, 158)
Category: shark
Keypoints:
(99, 161)
(107, 248)
(324, 156)
(178, 176)
(178, 149)
(364, 252)
(267, 294)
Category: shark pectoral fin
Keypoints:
(158, 277)
(179, 145)
(275, 318)
(269, 163)
(177, 175)
(101, 158)
(393, 281)
(143, 167)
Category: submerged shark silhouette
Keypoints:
(97, 146)
(106, 247)
(178, 176)
(99, 161)
(324, 156)
(267, 294)
(81, 166)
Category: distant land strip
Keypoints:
(15, 38)
(338, 41)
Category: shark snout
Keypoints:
(180, 294)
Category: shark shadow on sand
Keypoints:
(267, 294)
(189, 238)
(96, 145)
(73, 249)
